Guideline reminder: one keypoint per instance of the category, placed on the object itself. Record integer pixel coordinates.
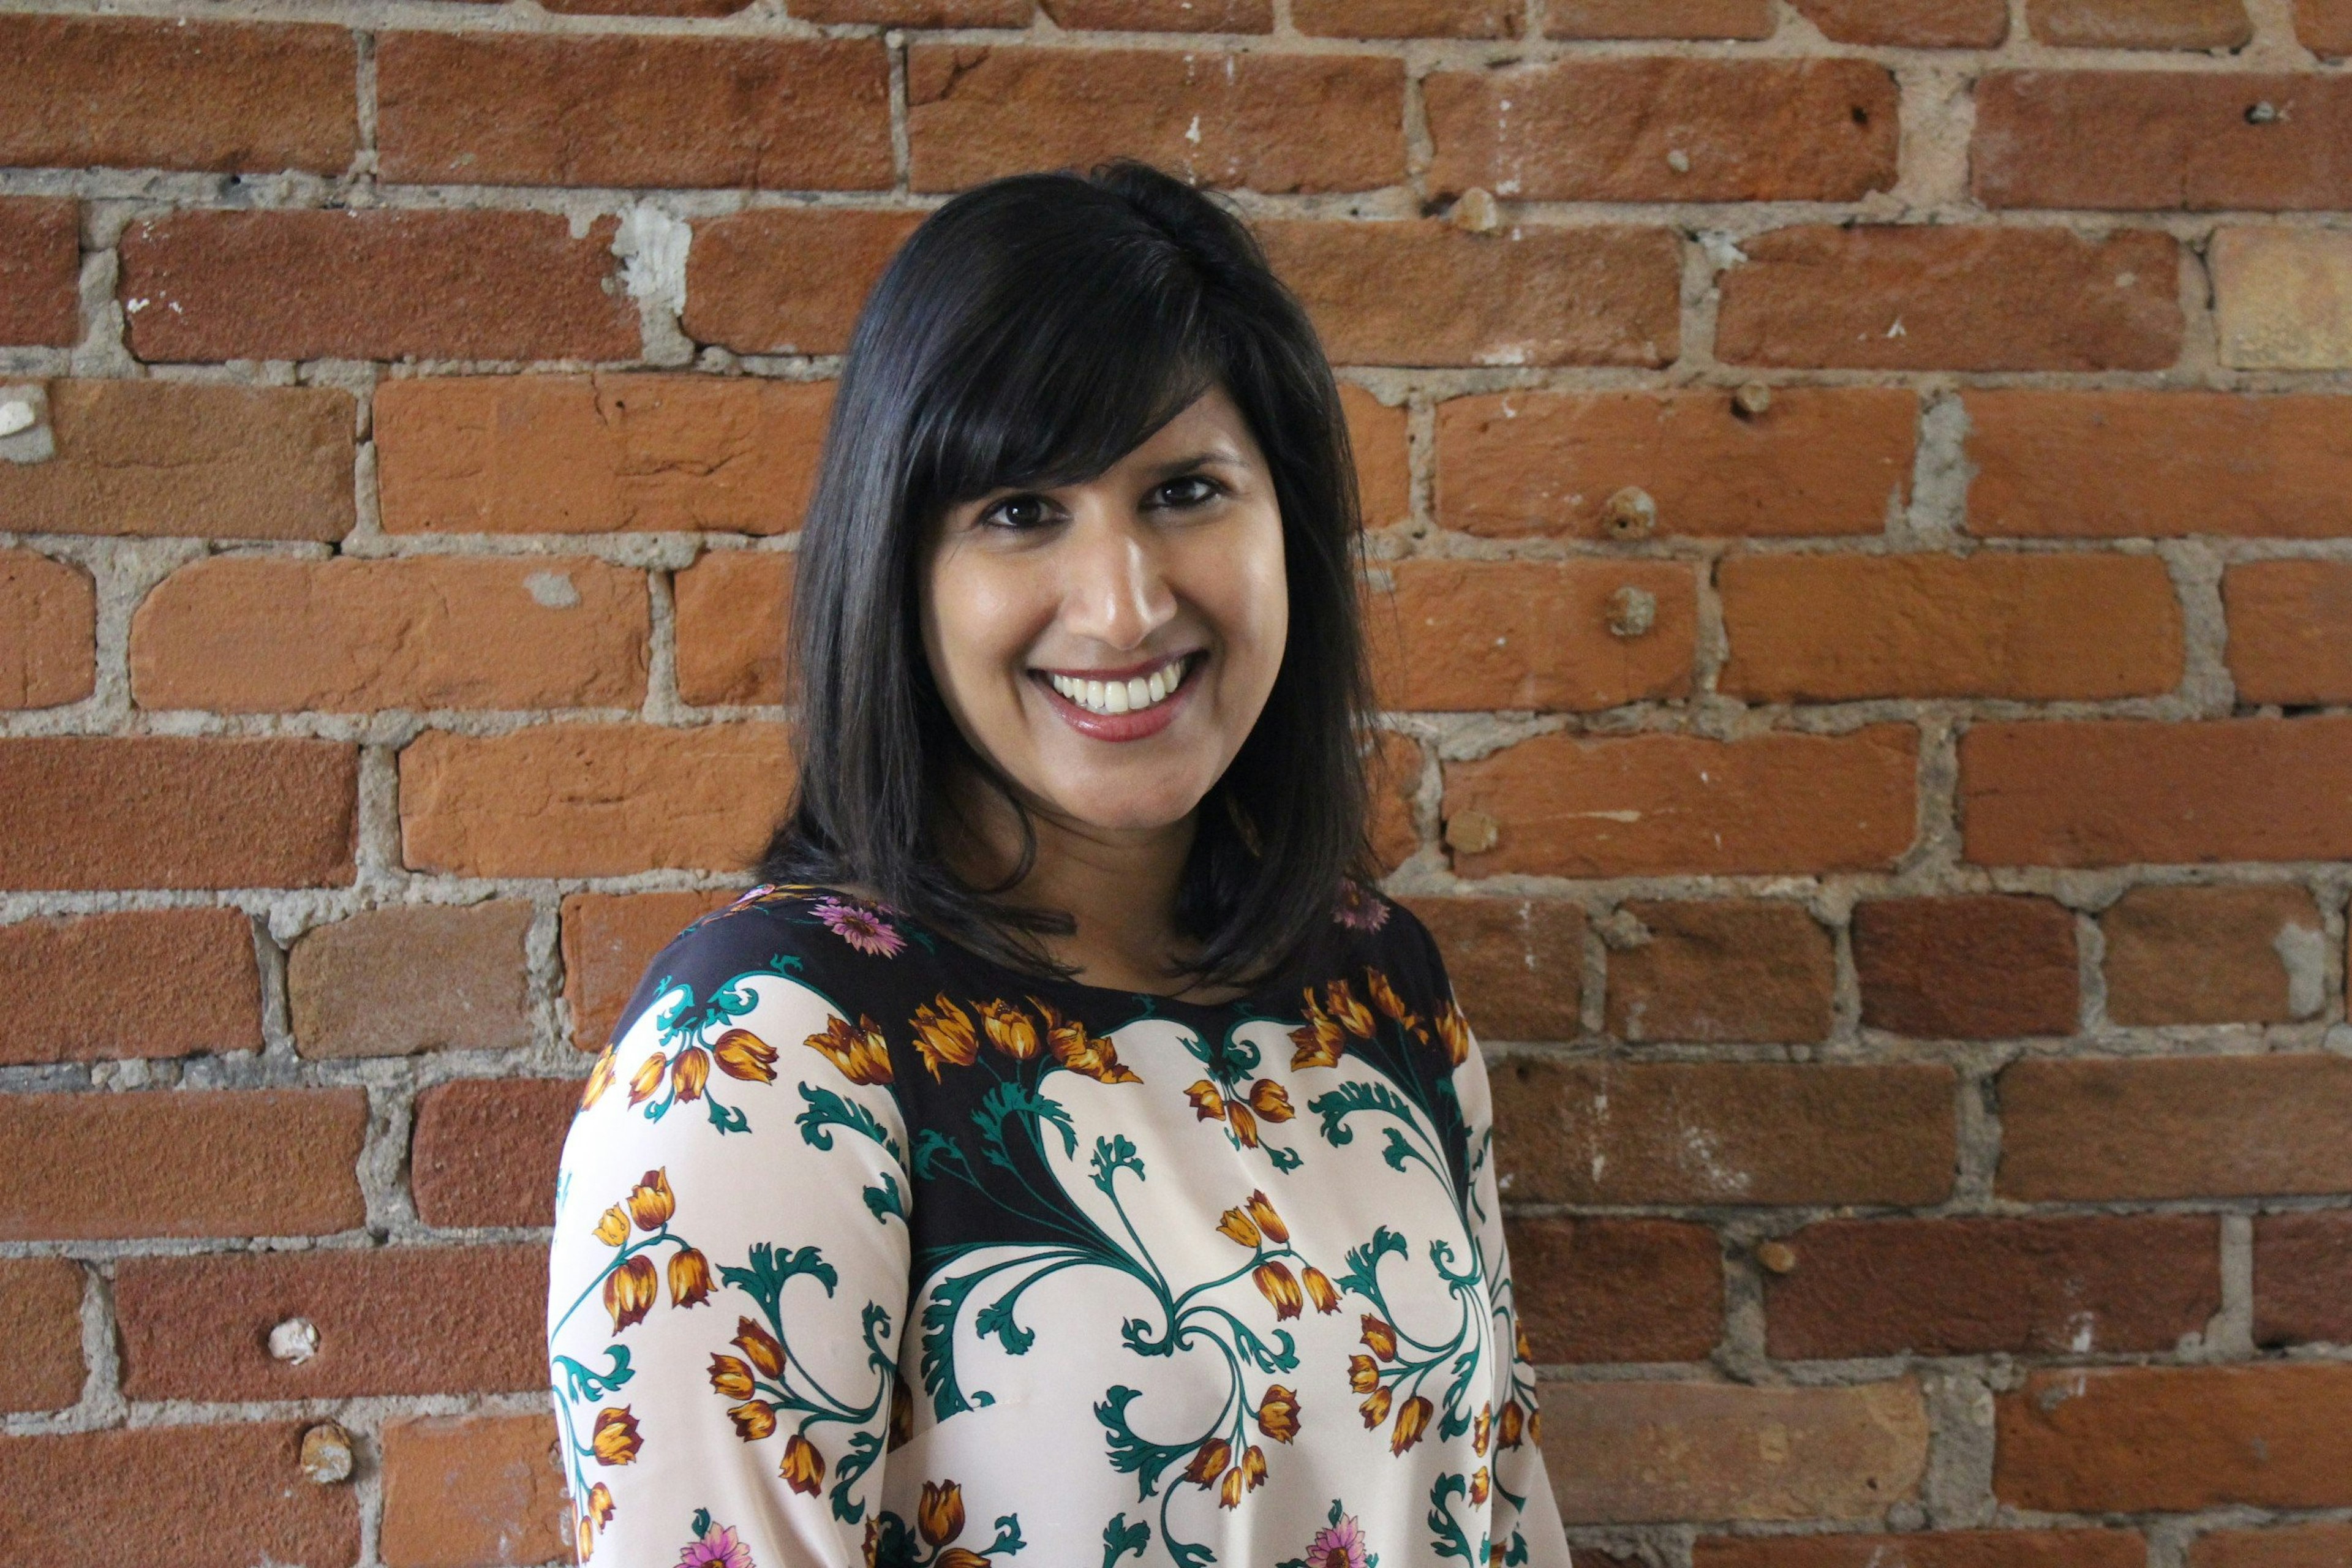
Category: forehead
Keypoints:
(1210, 423)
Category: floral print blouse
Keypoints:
(870, 1250)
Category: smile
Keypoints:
(1136, 694)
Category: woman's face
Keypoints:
(1108, 645)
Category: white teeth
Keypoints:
(1122, 696)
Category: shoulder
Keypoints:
(1386, 944)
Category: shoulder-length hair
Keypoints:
(1029, 333)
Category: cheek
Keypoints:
(1257, 609)
(976, 622)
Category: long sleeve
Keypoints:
(728, 1284)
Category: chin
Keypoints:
(1125, 809)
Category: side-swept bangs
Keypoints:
(1028, 334)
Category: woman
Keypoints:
(1064, 1156)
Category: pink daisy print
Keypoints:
(1340, 1546)
(717, 1549)
(860, 927)
(1359, 910)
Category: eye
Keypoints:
(1018, 512)
(1191, 490)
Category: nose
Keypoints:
(1115, 588)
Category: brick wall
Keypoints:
(1866, 509)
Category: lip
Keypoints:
(1117, 726)
(1123, 672)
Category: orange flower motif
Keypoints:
(857, 1049)
(1506, 1431)
(1209, 1462)
(761, 1346)
(1088, 1055)
(689, 1279)
(730, 1376)
(646, 1082)
(1320, 1042)
(1237, 1223)
(1010, 1030)
(1320, 1289)
(651, 1202)
(1275, 1284)
(1412, 1419)
(1260, 1209)
(613, 1226)
(615, 1441)
(1277, 1412)
(1244, 1124)
(1478, 1485)
(1453, 1030)
(944, 1033)
(690, 1071)
(600, 1078)
(1230, 1494)
(744, 1055)
(1207, 1103)
(600, 1505)
(1519, 1343)
(1351, 1015)
(803, 1468)
(959, 1557)
(1385, 998)
(1363, 1373)
(1482, 1430)
(754, 1419)
(630, 1291)
(1375, 1408)
(1271, 1101)
(1254, 1466)
(940, 1514)
(902, 1414)
(1535, 1428)
(1380, 1338)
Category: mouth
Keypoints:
(1123, 704)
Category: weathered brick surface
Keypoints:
(2140, 24)
(734, 610)
(485, 1149)
(1395, 778)
(1721, 972)
(1937, 298)
(1658, 18)
(2127, 1438)
(1660, 805)
(1928, 1549)
(2279, 1546)
(402, 1319)
(161, 93)
(2283, 298)
(1819, 460)
(1378, 437)
(41, 1322)
(2103, 1130)
(2288, 621)
(1266, 122)
(218, 1163)
(1832, 628)
(1406, 18)
(2303, 1277)
(590, 800)
(2214, 955)
(786, 279)
(201, 1496)
(1517, 964)
(251, 633)
(597, 454)
(1724, 1132)
(608, 939)
(466, 1491)
(1605, 130)
(1170, 15)
(2325, 26)
(177, 811)
(412, 977)
(374, 285)
(2074, 1285)
(1911, 24)
(1469, 635)
(920, 13)
(1986, 966)
(132, 983)
(41, 270)
(49, 631)
(1617, 1289)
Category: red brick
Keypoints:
(734, 611)
(1983, 966)
(1376, 433)
(2109, 793)
(2214, 955)
(175, 983)
(230, 1162)
(486, 1149)
(1722, 972)
(1964, 297)
(170, 94)
(1658, 18)
(590, 800)
(1662, 804)
(1395, 767)
(168, 811)
(1637, 1452)
(397, 1320)
(258, 635)
(41, 270)
(1165, 15)
(597, 454)
(464, 1491)
(2127, 464)
(1911, 24)
(1425, 292)
(787, 280)
(639, 7)
(2281, 298)
(2288, 625)
(1517, 964)
(2280, 1546)
(1837, 629)
(2178, 1438)
(1276, 122)
(1468, 635)
(49, 631)
(918, 12)
(413, 977)
(2303, 1277)
(1406, 18)
(2325, 26)
(1723, 1132)
(379, 284)
(1820, 460)
(41, 1322)
(608, 940)
(1602, 130)
(193, 1496)
(1928, 1549)
(1971, 1286)
(2167, 139)
(1617, 1289)
(524, 108)
(2176, 1127)
(2140, 24)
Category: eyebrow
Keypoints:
(1225, 455)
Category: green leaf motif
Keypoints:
(586, 1384)
(827, 1109)
(1120, 1538)
(1013, 1101)
(884, 1199)
(763, 1282)
(996, 1321)
(1111, 1156)
(1349, 1097)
